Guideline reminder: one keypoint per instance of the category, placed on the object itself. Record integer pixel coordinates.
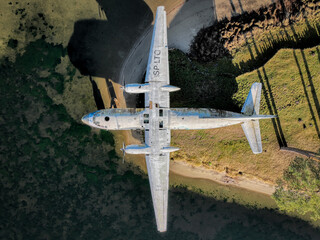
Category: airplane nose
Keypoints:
(86, 119)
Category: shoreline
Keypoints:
(186, 170)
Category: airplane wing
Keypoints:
(158, 63)
(157, 133)
(158, 172)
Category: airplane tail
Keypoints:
(251, 127)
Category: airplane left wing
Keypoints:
(158, 171)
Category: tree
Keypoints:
(299, 190)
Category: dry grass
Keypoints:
(226, 149)
(225, 8)
(222, 8)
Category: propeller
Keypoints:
(124, 85)
(123, 149)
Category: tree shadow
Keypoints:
(314, 95)
(266, 87)
(233, 8)
(200, 86)
(318, 53)
(241, 7)
(97, 95)
(313, 90)
(308, 38)
(99, 47)
(306, 93)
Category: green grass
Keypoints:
(261, 45)
(291, 87)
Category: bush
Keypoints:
(299, 190)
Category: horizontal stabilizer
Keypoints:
(252, 131)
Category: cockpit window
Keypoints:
(107, 119)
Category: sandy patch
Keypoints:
(171, 7)
(119, 100)
(104, 90)
(222, 8)
(186, 170)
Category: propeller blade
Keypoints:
(123, 151)
(124, 85)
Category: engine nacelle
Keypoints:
(137, 88)
(137, 149)
(169, 88)
(169, 149)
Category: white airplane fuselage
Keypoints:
(173, 119)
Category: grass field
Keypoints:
(291, 86)
(27, 21)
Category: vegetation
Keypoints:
(47, 158)
(59, 178)
(285, 58)
(299, 190)
(291, 83)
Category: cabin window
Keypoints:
(107, 119)
(161, 113)
(157, 105)
(146, 115)
(161, 124)
(146, 121)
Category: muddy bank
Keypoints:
(255, 185)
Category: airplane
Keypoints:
(158, 119)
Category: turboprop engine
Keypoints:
(137, 88)
(143, 149)
(144, 88)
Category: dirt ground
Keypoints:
(223, 8)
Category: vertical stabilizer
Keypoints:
(251, 128)
(252, 103)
